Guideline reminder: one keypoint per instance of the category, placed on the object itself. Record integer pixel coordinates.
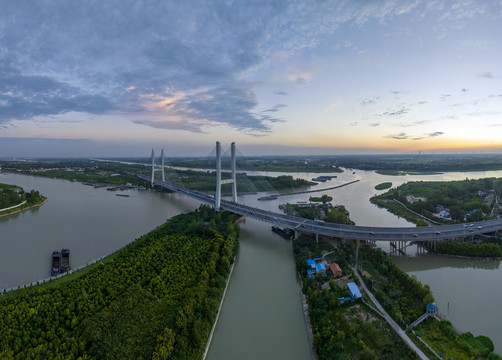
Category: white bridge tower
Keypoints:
(161, 168)
(220, 182)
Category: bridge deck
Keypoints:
(431, 233)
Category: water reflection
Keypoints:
(422, 262)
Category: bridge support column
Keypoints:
(317, 238)
(234, 177)
(217, 198)
(162, 162)
(153, 168)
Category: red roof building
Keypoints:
(336, 270)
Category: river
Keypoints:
(261, 316)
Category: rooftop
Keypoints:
(354, 290)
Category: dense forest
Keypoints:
(11, 195)
(156, 298)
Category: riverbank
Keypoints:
(218, 312)
(15, 209)
(135, 309)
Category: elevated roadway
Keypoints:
(368, 233)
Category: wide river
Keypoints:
(262, 314)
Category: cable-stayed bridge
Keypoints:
(302, 225)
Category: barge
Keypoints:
(285, 233)
(65, 260)
(56, 263)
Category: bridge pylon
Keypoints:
(219, 182)
(161, 169)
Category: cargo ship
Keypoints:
(285, 233)
(270, 197)
(65, 260)
(56, 263)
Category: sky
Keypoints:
(118, 78)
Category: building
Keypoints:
(412, 199)
(315, 267)
(336, 270)
(432, 309)
(320, 269)
(354, 290)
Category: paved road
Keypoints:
(423, 233)
(391, 321)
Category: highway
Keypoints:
(424, 233)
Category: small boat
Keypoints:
(123, 195)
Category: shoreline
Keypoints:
(210, 338)
(24, 208)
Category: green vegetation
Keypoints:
(402, 296)
(405, 298)
(383, 186)
(468, 249)
(348, 330)
(156, 298)
(276, 164)
(445, 341)
(324, 198)
(424, 164)
(466, 200)
(325, 212)
(114, 173)
(11, 195)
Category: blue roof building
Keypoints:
(311, 263)
(432, 308)
(310, 274)
(354, 290)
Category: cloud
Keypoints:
(395, 112)
(400, 136)
(368, 101)
(171, 125)
(374, 124)
(104, 57)
(444, 97)
(435, 134)
(486, 75)
(414, 123)
(278, 92)
(333, 106)
(275, 108)
(355, 123)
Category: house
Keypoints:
(354, 290)
(444, 213)
(321, 269)
(336, 270)
(315, 267)
(412, 199)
